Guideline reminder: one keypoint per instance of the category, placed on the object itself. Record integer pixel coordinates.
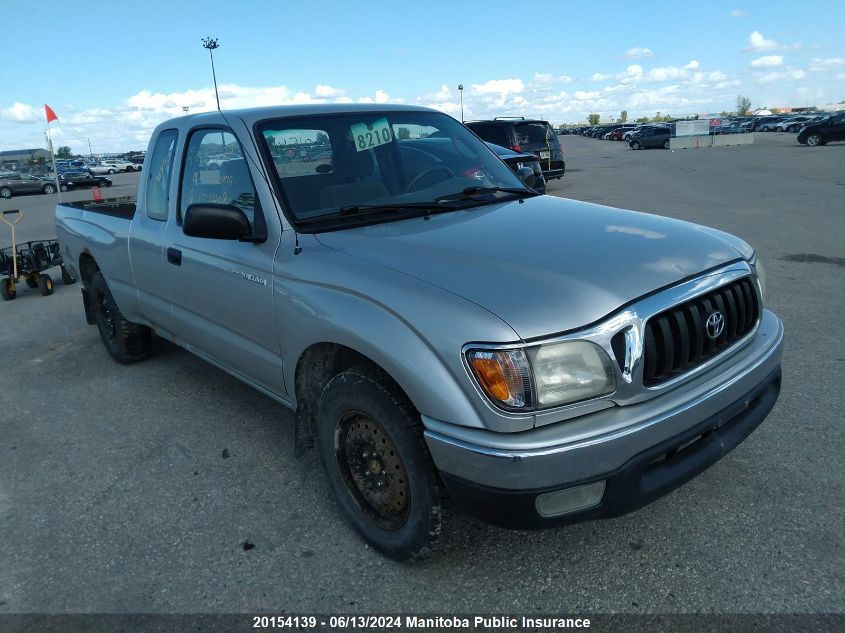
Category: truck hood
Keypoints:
(544, 265)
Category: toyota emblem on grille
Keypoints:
(715, 325)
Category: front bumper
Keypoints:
(670, 440)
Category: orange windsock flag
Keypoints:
(51, 116)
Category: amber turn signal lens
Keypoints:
(503, 375)
(492, 379)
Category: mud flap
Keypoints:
(89, 309)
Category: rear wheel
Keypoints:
(5, 192)
(32, 280)
(45, 285)
(814, 140)
(126, 342)
(111, 171)
(49, 188)
(635, 145)
(7, 289)
(371, 444)
(666, 144)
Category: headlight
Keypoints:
(570, 371)
(760, 272)
(543, 376)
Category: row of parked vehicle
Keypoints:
(106, 166)
(637, 135)
(813, 130)
(15, 183)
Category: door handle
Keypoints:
(174, 256)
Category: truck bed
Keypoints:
(122, 207)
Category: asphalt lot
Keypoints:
(115, 495)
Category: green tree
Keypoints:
(64, 152)
(642, 119)
(743, 105)
(321, 138)
(623, 116)
(593, 118)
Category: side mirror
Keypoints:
(526, 175)
(216, 221)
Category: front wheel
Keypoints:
(45, 285)
(111, 171)
(48, 188)
(126, 342)
(814, 140)
(371, 443)
(5, 192)
(635, 145)
(666, 144)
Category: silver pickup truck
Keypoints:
(449, 337)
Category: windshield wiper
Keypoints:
(366, 209)
(470, 192)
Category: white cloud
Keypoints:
(790, 74)
(637, 52)
(322, 90)
(738, 13)
(767, 61)
(666, 73)
(499, 87)
(817, 64)
(581, 95)
(631, 74)
(756, 42)
(600, 77)
(693, 65)
(21, 113)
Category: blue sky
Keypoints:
(113, 73)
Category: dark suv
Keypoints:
(830, 128)
(532, 136)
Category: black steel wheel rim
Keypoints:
(374, 472)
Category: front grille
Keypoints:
(677, 339)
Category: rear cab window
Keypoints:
(159, 174)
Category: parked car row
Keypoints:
(13, 183)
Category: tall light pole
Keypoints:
(211, 44)
(461, 92)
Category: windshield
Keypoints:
(325, 163)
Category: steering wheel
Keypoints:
(416, 180)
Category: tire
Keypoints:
(128, 169)
(63, 188)
(32, 280)
(666, 144)
(370, 437)
(126, 342)
(45, 285)
(48, 188)
(815, 140)
(67, 278)
(779, 129)
(5, 192)
(104, 184)
(110, 172)
(635, 145)
(7, 289)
